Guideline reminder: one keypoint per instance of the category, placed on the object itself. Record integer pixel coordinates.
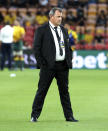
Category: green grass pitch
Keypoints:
(89, 96)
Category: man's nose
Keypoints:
(60, 18)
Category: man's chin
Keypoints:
(59, 23)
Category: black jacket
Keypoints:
(44, 47)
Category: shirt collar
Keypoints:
(52, 25)
(7, 25)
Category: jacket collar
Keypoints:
(51, 35)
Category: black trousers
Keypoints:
(6, 50)
(60, 72)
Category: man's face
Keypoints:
(16, 23)
(57, 18)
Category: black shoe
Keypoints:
(33, 119)
(71, 119)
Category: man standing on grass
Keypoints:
(6, 41)
(18, 36)
(54, 56)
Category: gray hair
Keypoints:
(53, 10)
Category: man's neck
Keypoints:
(53, 24)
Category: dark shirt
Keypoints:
(99, 38)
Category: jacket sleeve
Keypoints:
(67, 39)
(69, 45)
(37, 46)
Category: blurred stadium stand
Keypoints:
(89, 18)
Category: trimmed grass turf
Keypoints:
(89, 96)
